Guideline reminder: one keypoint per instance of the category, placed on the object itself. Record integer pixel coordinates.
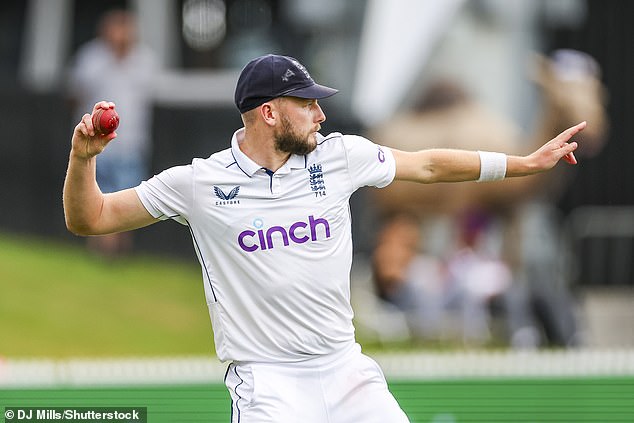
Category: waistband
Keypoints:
(313, 362)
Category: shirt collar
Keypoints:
(296, 162)
(249, 167)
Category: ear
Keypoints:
(268, 113)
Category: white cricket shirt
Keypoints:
(275, 248)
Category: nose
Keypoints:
(319, 114)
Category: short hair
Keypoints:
(248, 117)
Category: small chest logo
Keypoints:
(316, 180)
(229, 198)
(381, 155)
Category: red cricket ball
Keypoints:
(105, 121)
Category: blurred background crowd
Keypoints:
(507, 263)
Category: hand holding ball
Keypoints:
(105, 121)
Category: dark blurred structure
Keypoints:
(36, 119)
(36, 123)
(605, 245)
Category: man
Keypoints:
(270, 222)
(115, 64)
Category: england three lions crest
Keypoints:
(316, 180)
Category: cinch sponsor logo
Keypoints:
(298, 233)
(381, 155)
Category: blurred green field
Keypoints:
(550, 400)
(57, 300)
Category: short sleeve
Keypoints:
(370, 164)
(169, 194)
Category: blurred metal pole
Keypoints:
(397, 39)
(46, 43)
(158, 28)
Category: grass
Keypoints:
(59, 301)
(464, 400)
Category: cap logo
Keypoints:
(301, 68)
(287, 75)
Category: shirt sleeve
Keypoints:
(370, 164)
(169, 194)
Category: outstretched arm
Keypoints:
(87, 210)
(445, 165)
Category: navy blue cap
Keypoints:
(267, 77)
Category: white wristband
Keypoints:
(492, 166)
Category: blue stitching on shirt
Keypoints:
(328, 138)
(200, 254)
(238, 164)
(235, 370)
(270, 173)
(224, 379)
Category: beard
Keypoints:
(289, 141)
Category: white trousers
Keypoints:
(348, 387)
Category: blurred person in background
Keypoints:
(117, 66)
(479, 93)
(406, 276)
(542, 298)
(270, 221)
(524, 234)
(456, 222)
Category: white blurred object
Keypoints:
(204, 23)
(397, 38)
(574, 64)
(479, 276)
(46, 43)
(310, 14)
